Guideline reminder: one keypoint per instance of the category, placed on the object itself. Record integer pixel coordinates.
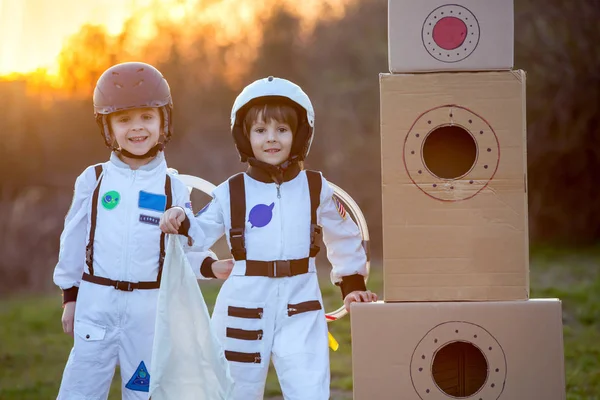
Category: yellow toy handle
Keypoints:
(332, 342)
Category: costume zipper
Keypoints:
(281, 257)
(312, 305)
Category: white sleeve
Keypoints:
(181, 199)
(210, 221)
(71, 257)
(197, 258)
(193, 253)
(341, 236)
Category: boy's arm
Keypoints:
(344, 245)
(203, 234)
(73, 240)
(201, 262)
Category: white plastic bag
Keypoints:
(188, 362)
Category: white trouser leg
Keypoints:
(243, 320)
(300, 346)
(136, 340)
(91, 365)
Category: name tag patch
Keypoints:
(147, 219)
(152, 201)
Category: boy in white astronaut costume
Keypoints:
(271, 305)
(111, 248)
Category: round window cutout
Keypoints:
(449, 152)
(460, 369)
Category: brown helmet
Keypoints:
(131, 85)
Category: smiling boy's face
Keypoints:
(271, 140)
(136, 130)
(270, 128)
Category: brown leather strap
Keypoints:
(237, 201)
(162, 254)
(89, 248)
(243, 334)
(314, 189)
(277, 269)
(251, 358)
(120, 285)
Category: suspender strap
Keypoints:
(237, 203)
(161, 257)
(89, 249)
(314, 188)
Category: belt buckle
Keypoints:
(127, 288)
(282, 268)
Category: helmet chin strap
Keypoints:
(275, 171)
(150, 153)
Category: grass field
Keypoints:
(33, 349)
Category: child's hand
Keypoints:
(171, 220)
(359, 296)
(222, 268)
(68, 317)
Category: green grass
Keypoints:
(574, 278)
(33, 349)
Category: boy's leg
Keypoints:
(243, 320)
(91, 364)
(300, 346)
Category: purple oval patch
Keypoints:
(261, 215)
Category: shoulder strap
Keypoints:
(314, 188)
(237, 203)
(168, 192)
(161, 257)
(98, 170)
(89, 249)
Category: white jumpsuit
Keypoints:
(257, 317)
(115, 326)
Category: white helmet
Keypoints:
(267, 90)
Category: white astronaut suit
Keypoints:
(118, 289)
(271, 306)
(261, 311)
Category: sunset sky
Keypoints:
(32, 32)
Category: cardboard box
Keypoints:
(467, 35)
(510, 350)
(454, 184)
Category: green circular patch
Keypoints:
(111, 199)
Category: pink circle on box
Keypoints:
(450, 33)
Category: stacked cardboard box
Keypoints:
(456, 320)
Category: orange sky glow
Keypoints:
(34, 32)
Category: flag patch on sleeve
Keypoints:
(339, 207)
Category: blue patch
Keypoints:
(261, 215)
(203, 209)
(140, 381)
(147, 219)
(189, 205)
(152, 201)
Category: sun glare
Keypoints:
(33, 33)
